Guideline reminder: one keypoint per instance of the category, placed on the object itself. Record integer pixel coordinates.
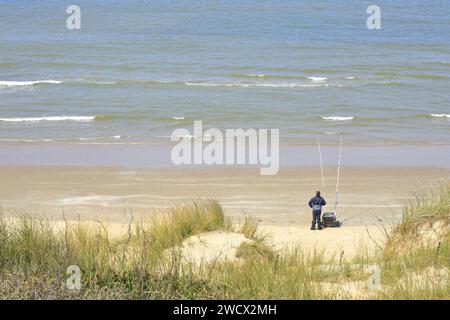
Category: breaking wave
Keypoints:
(27, 83)
(50, 118)
(337, 118)
(440, 115)
(258, 85)
(317, 78)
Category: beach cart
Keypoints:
(329, 220)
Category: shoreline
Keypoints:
(157, 156)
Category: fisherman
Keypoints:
(316, 204)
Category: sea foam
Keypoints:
(27, 83)
(49, 118)
(317, 78)
(256, 85)
(338, 118)
(440, 115)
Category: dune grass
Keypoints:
(130, 266)
(34, 257)
(424, 208)
(416, 257)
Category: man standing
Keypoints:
(316, 204)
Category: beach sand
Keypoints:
(370, 198)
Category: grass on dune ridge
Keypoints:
(144, 263)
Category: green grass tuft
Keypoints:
(34, 257)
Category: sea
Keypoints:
(137, 70)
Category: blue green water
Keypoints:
(139, 69)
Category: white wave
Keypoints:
(383, 82)
(161, 81)
(27, 83)
(252, 75)
(96, 81)
(350, 78)
(85, 139)
(338, 118)
(178, 118)
(96, 138)
(256, 85)
(28, 140)
(440, 115)
(68, 140)
(49, 118)
(317, 78)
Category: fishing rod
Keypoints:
(329, 218)
(338, 175)
(321, 163)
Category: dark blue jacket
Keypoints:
(318, 201)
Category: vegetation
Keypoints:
(145, 262)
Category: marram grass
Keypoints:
(144, 264)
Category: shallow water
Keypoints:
(138, 70)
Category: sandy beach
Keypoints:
(370, 198)
(367, 196)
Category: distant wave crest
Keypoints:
(440, 115)
(49, 118)
(338, 118)
(27, 83)
(256, 85)
(314, 82)
(317, 78)
(252, 75)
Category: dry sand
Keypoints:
(370, 198)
